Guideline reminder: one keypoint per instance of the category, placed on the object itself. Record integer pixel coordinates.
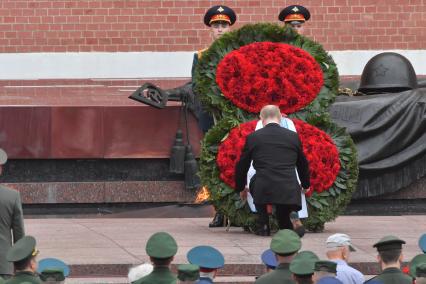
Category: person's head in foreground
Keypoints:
(209, 260)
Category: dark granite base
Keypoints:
(87, 170)
(142, 181)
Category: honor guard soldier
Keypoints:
(285, 244)
(208, 259)
(52, 270)
(390, 259)
(23, 255)
(295, 16)
(161, 248)
(219, 19)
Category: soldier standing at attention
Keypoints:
(23, 255)
(11, 221)
(219, 19)
(295, 16)
(390, 259)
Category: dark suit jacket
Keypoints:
(275, 152)
(11, 221)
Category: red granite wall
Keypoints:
(175, 25)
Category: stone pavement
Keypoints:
(107, 247)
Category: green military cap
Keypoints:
(52, 274)
(415, 262)
(188, 272)
(285, 242)
(307, 255)
(303, 263)
(325, 265)
(302, 267)
(421, 270)
(388, 243)
(22, 249)
(161, 245)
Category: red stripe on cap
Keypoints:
(294, 17)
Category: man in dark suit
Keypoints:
(11, 222)
(275, 152)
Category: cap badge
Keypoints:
(295, 9)
(220, 9)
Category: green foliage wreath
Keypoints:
(322, 207)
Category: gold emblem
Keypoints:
(295, 9)
(220, 9)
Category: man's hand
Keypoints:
(306, 190)
(243, 194)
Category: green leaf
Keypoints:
(324, 194)
(315, 204)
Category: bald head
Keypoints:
(270, 113)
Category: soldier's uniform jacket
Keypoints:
(392, 276)
(280, 275)
(205, 119)
(160, 275)
(24, 276)
(10, 219)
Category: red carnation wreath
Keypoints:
(265, 73)
(318, 147)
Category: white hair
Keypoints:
(137, 272)
(208, 274)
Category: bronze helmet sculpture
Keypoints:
(388, 72)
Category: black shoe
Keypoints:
(299, 229)
(217, 221)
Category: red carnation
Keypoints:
(318, 147)
(264, 73)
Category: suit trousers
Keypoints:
(282, 213)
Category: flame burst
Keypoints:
(203, 195)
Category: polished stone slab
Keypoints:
(47, 119)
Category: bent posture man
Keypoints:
(11, 222)
(275, 152)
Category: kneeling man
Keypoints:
(275, 152)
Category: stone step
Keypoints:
(113, 271)
(123, 280)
